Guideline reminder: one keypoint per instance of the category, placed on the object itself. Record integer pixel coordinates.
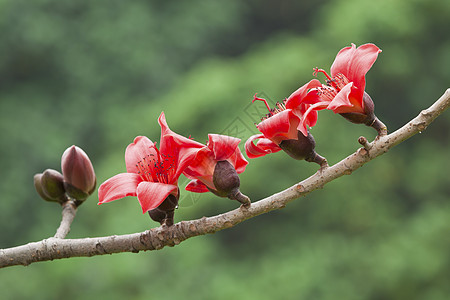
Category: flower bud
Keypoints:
(164, 213)
(302, 149)
(78, 172)
(227, 183)
(49, 186)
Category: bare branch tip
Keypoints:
(365, 143)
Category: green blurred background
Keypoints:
(98, 73)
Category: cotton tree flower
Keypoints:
(215, 168)
(152, 173)
(285, 127)
(345, 90)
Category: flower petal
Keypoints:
(297, 98)
(202, 164)
(196, 186)
(181, 149)
(310, 117)
(354, 63)
(142, 147)
(263, 147)
(152, 194)
(279, 127)
(222, 146)
(238, 161)
(343, 102)
(118, 186)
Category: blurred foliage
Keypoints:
(98, 73)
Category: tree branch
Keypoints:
(157, 238)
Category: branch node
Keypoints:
(348, 172)
(300, 188)
(100, 248)
(363, 141)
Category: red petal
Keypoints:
(196, 186)
(354, 63)
(181, 149)
(310, 117)
(141, 147)
(341, 99)
(312, 97)
(263, 146)
(222, 146)
(152, 194)
(279, 127)
(238, 161)
(117, 187)
(202, 167)
(203, 164)
(346, 101)
(297, 97)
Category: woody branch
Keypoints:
(158, 238)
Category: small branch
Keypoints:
(157, 238)
(69, 210)
(364, 142)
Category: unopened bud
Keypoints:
(78, 172)
(164, 213)
(49, 185)
(227, 182)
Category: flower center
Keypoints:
(279, 107)
(333, 87)
(156, 168)
(338, 81)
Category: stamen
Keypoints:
(160, 169)
(317, 70)
(261, 99)
(326, 93)
(330, 81)
(340, 81)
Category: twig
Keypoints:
(69, 210)
(157, 238)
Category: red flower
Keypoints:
(152, 174)
(284, 128)
(201, 169)
(344, 93)
(216, 168)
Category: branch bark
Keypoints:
(158, 238)
(69, 211)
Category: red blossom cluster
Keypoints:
(153, 172)
(285, 127)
